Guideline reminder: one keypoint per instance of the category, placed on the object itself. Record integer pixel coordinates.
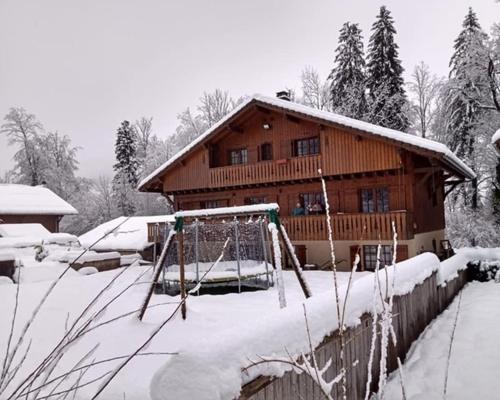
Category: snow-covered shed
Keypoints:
(130, 235)
(23, 204)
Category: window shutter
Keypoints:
(402, 252)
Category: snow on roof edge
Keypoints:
(373, 129)
(213, 212)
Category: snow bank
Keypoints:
(449, 268)
(7, 256)
(473, 368)
(19, 242)
(214, 370)
(23, 199)
(16, 230)
(132, 235)
(64, 239)
(44, 271)
(90, 256)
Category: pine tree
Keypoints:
(125, 179)
(348, 75)
(385, 82)
(468, 85)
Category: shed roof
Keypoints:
(403, 139)
(131, 234)
(34, 200)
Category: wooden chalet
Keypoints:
(271, 149)
(22, 204)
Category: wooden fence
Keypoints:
(412, 313)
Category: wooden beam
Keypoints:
(292, 118)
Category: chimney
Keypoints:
(283, 95)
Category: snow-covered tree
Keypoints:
(468, 85)
(59, 157)
(385, 76)
(424, 90)
(348, 79)
(315, 91)
(126, 152)
(23, 130)
(126, 178)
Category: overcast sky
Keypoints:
(83, 66)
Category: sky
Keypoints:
(84, 66)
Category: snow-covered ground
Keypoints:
(475, 354)
(209, 316)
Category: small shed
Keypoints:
(130, 237)
(22, 204)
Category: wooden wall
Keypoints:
(343, 195)
(50, 222)
(412, 313)
(342, 151)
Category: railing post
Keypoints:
(237, 241)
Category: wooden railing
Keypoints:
(266, 171)
(365, 226)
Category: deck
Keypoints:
(360, 226)
(292, 169)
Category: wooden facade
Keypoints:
(50, 222)
(266, 154)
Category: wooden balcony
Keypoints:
(292, 169)
(369, 226)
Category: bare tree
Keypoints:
(424, 89)
(144, 131)
(214, 106)
(23, 129)
(316, 93)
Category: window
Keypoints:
(254, 200)
(266, 152)
(239, 156)
(306, 147)
(374, 200)
(370, 256)
(313, 203)
(367, 203)
(213, 203)
(382, 195)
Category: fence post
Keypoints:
(237, 241)
(264, 249)
(182, 273)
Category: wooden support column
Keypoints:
(182, 272)
(295, 262)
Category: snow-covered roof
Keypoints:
(328, 117)
(22, 199)
(223, 211)
(17, 230)
(132, 235)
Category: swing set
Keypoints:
(221, 247)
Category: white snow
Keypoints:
(19, 242)
(473, 372)
(16, 230)
(215, 370)
(132, 235)
(71, 256)
(7, 256)
(375, 130)
(223, 211)
(23, 199)
(224, 270)
(496, 137)
(449, 268)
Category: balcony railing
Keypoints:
(363, 226)
(266, 171)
